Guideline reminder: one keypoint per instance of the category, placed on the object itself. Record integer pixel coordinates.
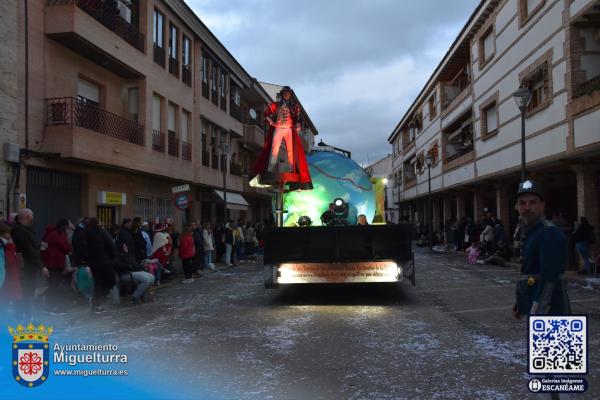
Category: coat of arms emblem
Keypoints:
(30, 354)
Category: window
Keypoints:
(156, 112)
(173, 41)
(171, 118)
(489, 117)
(204, 69)
(214, 149)
(528, 8)
(159, 29)
(185, 120)
(236, 96)
(133, 103)
(538, 79)
(487, 46)
(213, 78)
(163, 209)
(88, 92)
(203, 134)
(142, 207)
(432, 107)
(186, 52)
(222, 83)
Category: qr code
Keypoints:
(557, 345)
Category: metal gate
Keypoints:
(107, 216)
(52, 195)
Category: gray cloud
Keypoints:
(356, 65)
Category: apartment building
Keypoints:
(121, 100)
(466, 118)
(8, 99)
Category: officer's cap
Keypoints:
(529, 186)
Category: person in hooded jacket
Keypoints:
(100, 254)
(138, 240)
(54, 256)
(78, 243)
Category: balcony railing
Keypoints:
(588, 87)
(173, 144)
(186, 150)
(205, 158)
(235, 111)
(107, 13)
(235, 169)
(186, 75)
(158, 141)
(159, 55)
(454, 88)
(174, 66)
(79, 112)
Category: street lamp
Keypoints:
(429, 162)
(224, 149)
(522, 97)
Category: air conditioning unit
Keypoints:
(12, 152)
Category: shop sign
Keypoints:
(112, 198)
(180, 188)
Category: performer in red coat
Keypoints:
(283, 119)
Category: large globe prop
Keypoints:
(333, 176)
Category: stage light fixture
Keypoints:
(304, 221)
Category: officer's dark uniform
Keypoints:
(541, 289)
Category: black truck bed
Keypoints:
(330, 244)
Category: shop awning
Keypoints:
(235, 201)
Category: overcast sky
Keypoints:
(356, 65)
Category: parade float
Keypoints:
(319, 199)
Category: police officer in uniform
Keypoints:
(540, 289)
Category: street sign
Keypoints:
(180, 188)
(181, 201)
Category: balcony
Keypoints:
(588, 87)
(235, 169)
(73, 111)
(254, 137)
(205, 158)
(158, 54)
(71, 23)
(235, 111)
(173, 144)
(158, 141)
(109, 16)
(455, 91)
(186, 75)
(174, 66)
(186, 150)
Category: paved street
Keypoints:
(452, 336)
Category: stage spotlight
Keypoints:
(327, 218)
(304, 221)
(339, 211)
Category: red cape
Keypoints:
(299, 178)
